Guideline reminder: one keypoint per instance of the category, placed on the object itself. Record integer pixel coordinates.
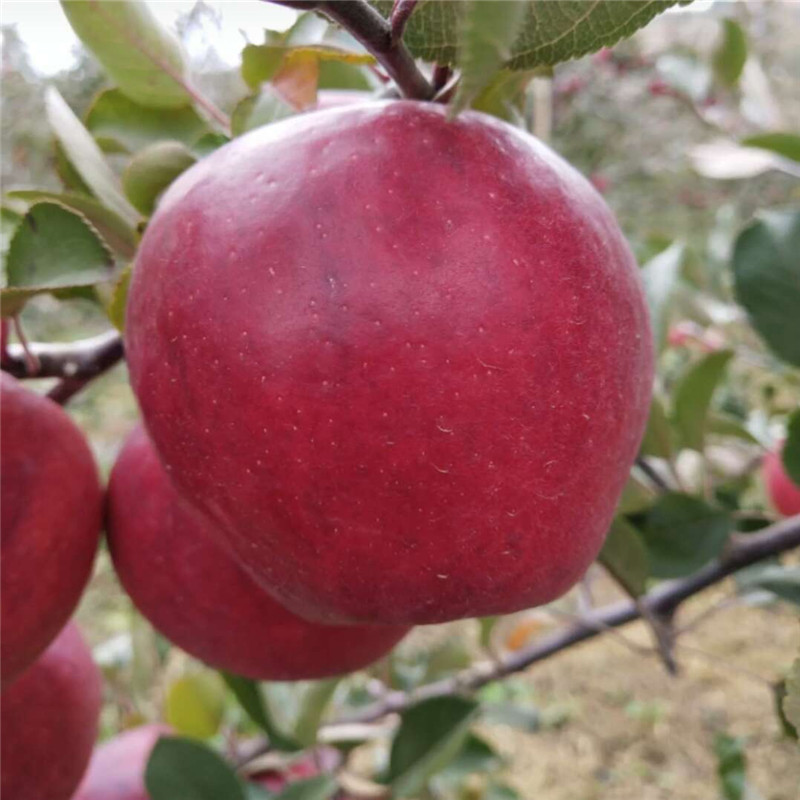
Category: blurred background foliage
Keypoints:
(648, 122)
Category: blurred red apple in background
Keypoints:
(49, 720)
(116, 771)
(198, 596)
(783, 492)
(403, 361)
(51, 520)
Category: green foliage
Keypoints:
(120, 124)
(487, 31)
(195, 704)
(53, 248)
(730, 54)
(431, 734)
(250, 698)
(119, 299)
(315, 702)
(625, 556)
(86, 157)
(182, 769)
(783, 144)
(548, 33)
(693, 398)
(782, 581)
(143, 58)
(790, 454)
(657, 439)
(766, 272)
(682, 534)
(731, 766)
(791, 700)
(259, 109)
(660, 277)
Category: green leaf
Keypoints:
(182, 769)
(624, 555)
(9, 222)
(784, 144)
(724, 425)
(139, 54)
(660, 277)
(152, 170)
(731, 766)
(783, 582)
(550, 32)
(114, 230)
(315, 702)
(259, 109)
(504, 96)
(250, 698)
(514, 715)
(53, 248)
(121, 124)
(693, 398)
(766, 272)
(86, 157)
(195, 704)
(67, 174)
(446, 657)
(431, 734)
(476, 755)
(636, 496)
(486, 627)
(779, 695)
(682, 534)
(791, 702)
(486, 34)
(730, 53)
(657, 439)
(790, 454)
(119, 299)
(320, 787)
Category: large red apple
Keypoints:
(117, 768)
(783, 492)
(404, 362)
(199, 597)
(49, 718)
(51, 520)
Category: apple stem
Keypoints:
(30, 358)
(401, 13)
(366, 25)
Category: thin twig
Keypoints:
(645, 466)
(441, 75)
(663, 600)
(76, 363)
(366, 25)
(31, 361)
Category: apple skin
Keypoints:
(50, 716)
(197, 595)
(51, 518)
(783, 492)
(117, 768)
(404, 362)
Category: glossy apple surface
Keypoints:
(404, 362)
(51, 519)
(116, 771)
(49, 719)
(784, 493)
(199, 597)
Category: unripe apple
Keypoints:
(403, 361)
(117, 768)
(783, 492)
(51, 520)
(199, 597)
(50, 716)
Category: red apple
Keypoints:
(783, 492)
(404, 362)
(197, 595)
(50, 718)
(116, 771)
(51, 520)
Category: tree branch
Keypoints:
(663, 600)
(76, 362)
(365, 24)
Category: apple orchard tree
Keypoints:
(396, 365)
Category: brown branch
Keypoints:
(661, 601)
(401, 13)
(76, 363)
(366, 25)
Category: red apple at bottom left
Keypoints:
(49, 722)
